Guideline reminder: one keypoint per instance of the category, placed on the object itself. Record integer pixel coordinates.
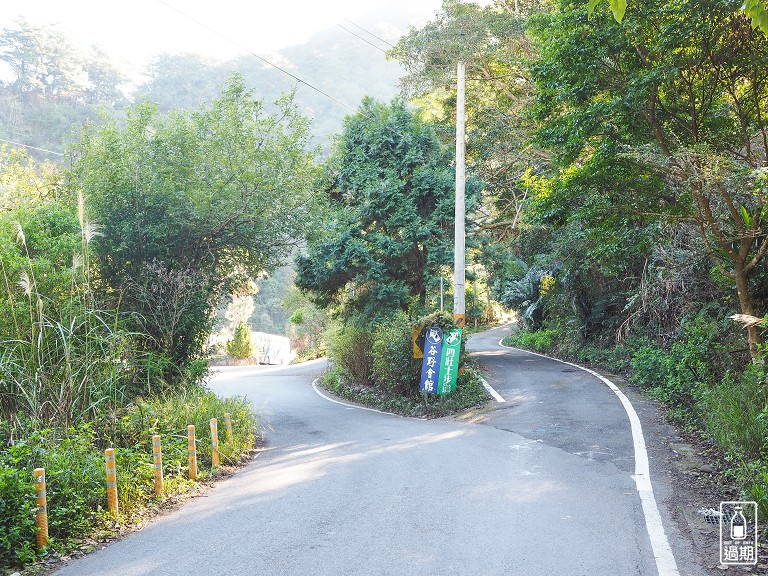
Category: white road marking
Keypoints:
(492, 392)
(662, 552)
(317, 389)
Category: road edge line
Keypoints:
(662, 551)
(491, 391)
(348, 405)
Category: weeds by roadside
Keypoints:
(469, 392)
(74, 463)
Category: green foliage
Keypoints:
(349, 347)
(757, 10)
(74, 464)
(542, 340)
(61, 357)
(527, 294)
(375, 366)
(693, 363)
(190, 203)
(392, 189)
(394, 367)
(469, 393)
(736, 413)
(17, 519)
(241, 346)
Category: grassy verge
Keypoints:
(74, 462)
(469, 393)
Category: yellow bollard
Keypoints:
(157, 460)
(228, 426)
(41, 501)
(215, 442)
(192, 458)
(109, 456)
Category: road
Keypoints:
(541, 484)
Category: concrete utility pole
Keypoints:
(459, 307)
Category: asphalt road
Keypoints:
(541, 484)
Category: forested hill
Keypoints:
(48, 87)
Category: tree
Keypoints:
(203, 197)
(391, 183)
(493, 44)
(181, 81)
(681, 88)
(241, 346)
(757, 10)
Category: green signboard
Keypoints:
(449, 361)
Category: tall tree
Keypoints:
(492, 43)
(189, 201)
(683, 87)
(391, 183)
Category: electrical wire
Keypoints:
(252, 53)
(31, 147)
(369, 33)
(272, 64)
(361, 38)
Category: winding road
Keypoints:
(543, 483)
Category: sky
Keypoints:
(132, 31)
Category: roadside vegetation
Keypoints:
(109, 270)
(625, 194)
(617, 200)
(377, 270)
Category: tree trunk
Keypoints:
(745, 301)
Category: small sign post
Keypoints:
(449, 361)
(430, 366)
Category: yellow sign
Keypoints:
(415, 332)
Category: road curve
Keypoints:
(539, 485)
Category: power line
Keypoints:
(272, 64)
(252, 53)
(370, 33)
(361, 38)
(31, 147)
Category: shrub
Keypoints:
(694, 362)
(240, 346)
(17, 521)
(74, 464)
(394, 367)
(349, 346)
(539, 340)
(736, 414)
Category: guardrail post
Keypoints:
(157, 461)
(41, 501)
(228, 426)
(109, 457)
(192, 458)
(215, 442)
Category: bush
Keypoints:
(736, 414)
(349, 346)
(17, 520)
(240, 346)
(394, 367)
(694, 362)
(539, 340)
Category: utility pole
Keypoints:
(459, 306)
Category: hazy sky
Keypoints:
(131, 31)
